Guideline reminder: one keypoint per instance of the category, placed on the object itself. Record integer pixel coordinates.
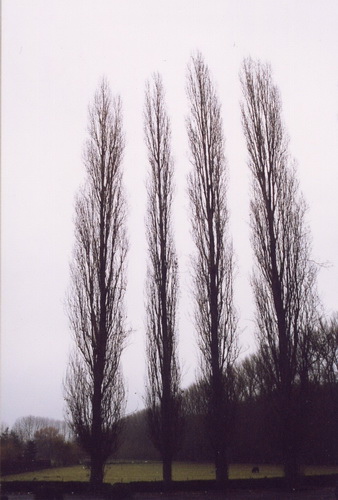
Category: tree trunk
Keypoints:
(97, 464)
(290, 444)
(167, 469)
(291, 471)
(221, 463)
(219, 432)
(96, 469)
(166, 429)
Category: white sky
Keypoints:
(54, 53)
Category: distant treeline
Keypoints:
(254, 438)
(34, 443)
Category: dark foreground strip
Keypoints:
(55, 490)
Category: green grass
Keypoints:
(76, 473)
(152, 471)
(321, 470)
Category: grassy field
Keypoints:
(152, 471)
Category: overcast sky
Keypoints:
(54, 54)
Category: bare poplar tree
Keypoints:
(163, 387)
(93, 387)
(284, 276)
(213, 265)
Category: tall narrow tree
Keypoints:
(94, 390)
(163, 387)
(284, 276)
(213, 264)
